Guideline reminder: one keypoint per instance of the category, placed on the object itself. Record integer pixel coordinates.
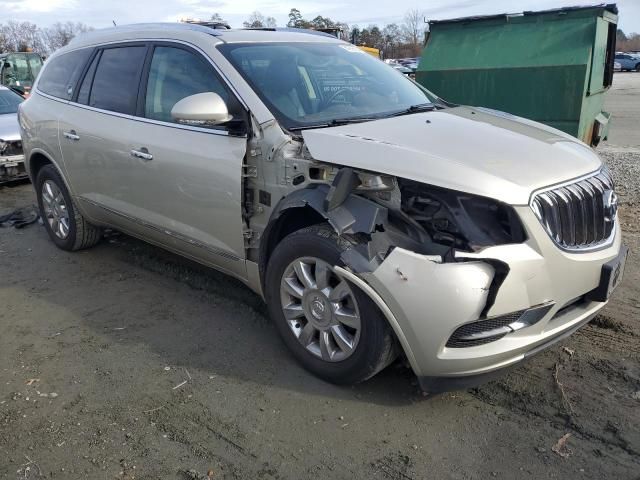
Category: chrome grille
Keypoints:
(579, 215)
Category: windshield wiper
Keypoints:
(346, 121)
(336, 122)
(422, 107)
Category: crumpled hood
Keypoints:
(9, 131)
(474, 150)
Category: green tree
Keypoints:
(322, 22)
(354, 36)
(296, 20)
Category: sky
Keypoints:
(101, 13)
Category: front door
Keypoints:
(184, 180)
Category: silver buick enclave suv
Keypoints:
(374, 218)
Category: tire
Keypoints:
(638, 67)
(372, 343)
(64, 223)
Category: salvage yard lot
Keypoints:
(125, 361)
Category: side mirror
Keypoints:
(202, 109)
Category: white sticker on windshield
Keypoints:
(352, 48)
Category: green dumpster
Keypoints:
(551, 66)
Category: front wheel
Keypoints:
(332, 328)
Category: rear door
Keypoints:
(187, 182)
(96, 131)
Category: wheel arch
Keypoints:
(309, 206)
(38, 158)
(284, 222)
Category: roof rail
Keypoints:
(291, 29)
(214, 25)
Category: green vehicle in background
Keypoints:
(551, 66)
(19, 70)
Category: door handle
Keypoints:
(71, 135)
(143, 153)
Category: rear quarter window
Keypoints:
(61, 73)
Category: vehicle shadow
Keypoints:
(203, 320)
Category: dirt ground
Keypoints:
(125, 361)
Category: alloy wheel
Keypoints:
(55, 209)
(320, 309)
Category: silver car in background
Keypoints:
(375, 219)
(11, 155)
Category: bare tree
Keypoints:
(629, 42)
(413, 27)
(60, 34)
(216, 17)
(21, 36)
(257, 20)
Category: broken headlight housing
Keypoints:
(460, 220)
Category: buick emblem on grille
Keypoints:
(610, 201)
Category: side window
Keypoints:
(61, 73)
(85, 86)
(175, 74)
(116, 80)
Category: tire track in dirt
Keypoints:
(600, 374)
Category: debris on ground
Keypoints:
(193, 474)
(561, 447)
(20, 217)
(565, 398)
(47, 395)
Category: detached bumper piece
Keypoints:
(492, 329)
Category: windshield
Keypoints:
(316, 84)
(19, 69)
(9, 102)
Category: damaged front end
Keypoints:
(409, 242)
(11, 161)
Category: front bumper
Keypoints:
(426, 301)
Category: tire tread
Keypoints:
(86, 234)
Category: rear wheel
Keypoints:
(331, 327)
(64, 223)
(638, 67)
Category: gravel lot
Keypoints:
(96, 347)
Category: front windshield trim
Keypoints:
(371, 74)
